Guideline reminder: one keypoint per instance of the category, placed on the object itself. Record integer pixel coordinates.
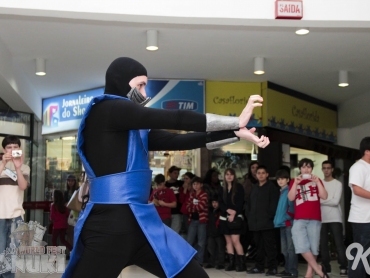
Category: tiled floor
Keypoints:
(136, 272)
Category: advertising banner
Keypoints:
(65, 112)
(292, 114)
(176, 94)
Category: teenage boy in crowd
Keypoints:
(164, 199)
(197, 206)
(176, 186)
(359, 214)
(306, 190)
(284, 220)
(14, 179)
(262, 205)
(331, 215)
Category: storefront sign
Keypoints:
(65, 112)
(288, 9)
(230, 98)
(292, 114)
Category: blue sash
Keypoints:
(131, 187)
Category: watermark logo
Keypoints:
(27, 251)
(33, 259)
(359, 256)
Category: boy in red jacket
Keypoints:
(164, 199)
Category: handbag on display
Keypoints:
(74, 204)
(237, 223)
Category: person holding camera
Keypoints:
(14, 179)
(306, 190)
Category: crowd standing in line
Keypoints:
(305, 211)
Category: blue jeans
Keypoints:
(5, 231)
(287, 248)
(361, 235)
(336, 229)
(176, 222)
(198, 230)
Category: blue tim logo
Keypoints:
(180, 104)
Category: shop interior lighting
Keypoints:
(152, 40)
(302, 31)
(259, 65)
(40, 66)
(343, 78)
(68, 138)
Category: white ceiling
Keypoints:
(78, 53)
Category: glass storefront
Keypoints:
(61, 160)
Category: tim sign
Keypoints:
(288, 9)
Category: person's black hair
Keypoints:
(208, 177)
(282, 174)
(190, 175)
(159, 179)
(328, 162)
(214, 197)
(262, 167)
(249, 174)
(196, 179)
(305, 161)
(174, 168)
(286, 168)
(59, 201)
(119, 74)
(364, 145)
(233, 185)
(11, 139)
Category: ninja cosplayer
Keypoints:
(118, 227)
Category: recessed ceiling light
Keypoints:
(302, 31)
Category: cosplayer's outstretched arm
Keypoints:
(159, 139)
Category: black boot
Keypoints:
(240, 263)
(231, 265)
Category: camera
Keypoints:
(306, 176)
(16, 153)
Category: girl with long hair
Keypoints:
(231, 201)
(59, 216)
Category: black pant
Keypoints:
(216, 247)
(106, 254)
(266, 247)
(336, 229)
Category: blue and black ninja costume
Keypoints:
(118, 227)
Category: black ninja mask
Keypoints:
(120, 72)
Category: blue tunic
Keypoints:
(172, 251)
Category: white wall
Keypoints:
(338, 11)
(351, 137)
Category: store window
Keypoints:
(161, 161)
(62, 160)
(237, 156)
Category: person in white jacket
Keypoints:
(331, 215)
